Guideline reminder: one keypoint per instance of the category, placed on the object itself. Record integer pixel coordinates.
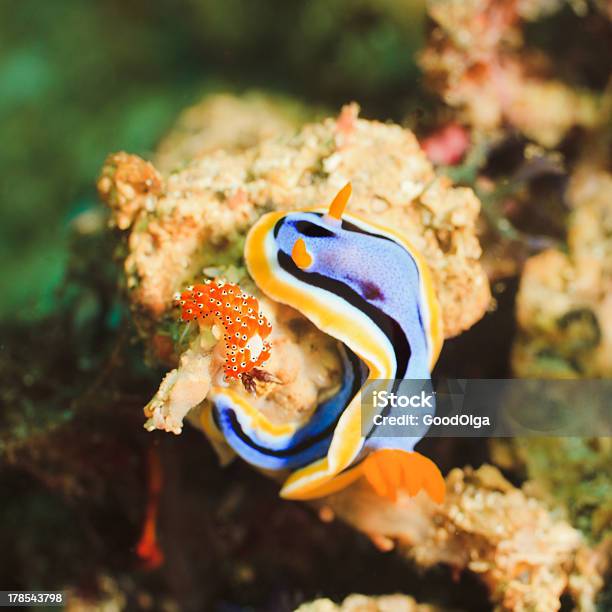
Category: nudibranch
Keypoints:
(222, 305)
(367, 287)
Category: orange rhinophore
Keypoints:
(245, 329)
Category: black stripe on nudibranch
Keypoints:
(312, 230)
(387, 324)
(351, 227)
(277, 227)
(280, 453)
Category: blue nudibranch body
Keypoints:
(367, 287)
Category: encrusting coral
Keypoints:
(195, 220)
(197, 217)
(230, 123)
(191, 224)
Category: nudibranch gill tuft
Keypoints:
(224, 306)
(366, 286)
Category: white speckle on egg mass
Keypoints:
(255, 346)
